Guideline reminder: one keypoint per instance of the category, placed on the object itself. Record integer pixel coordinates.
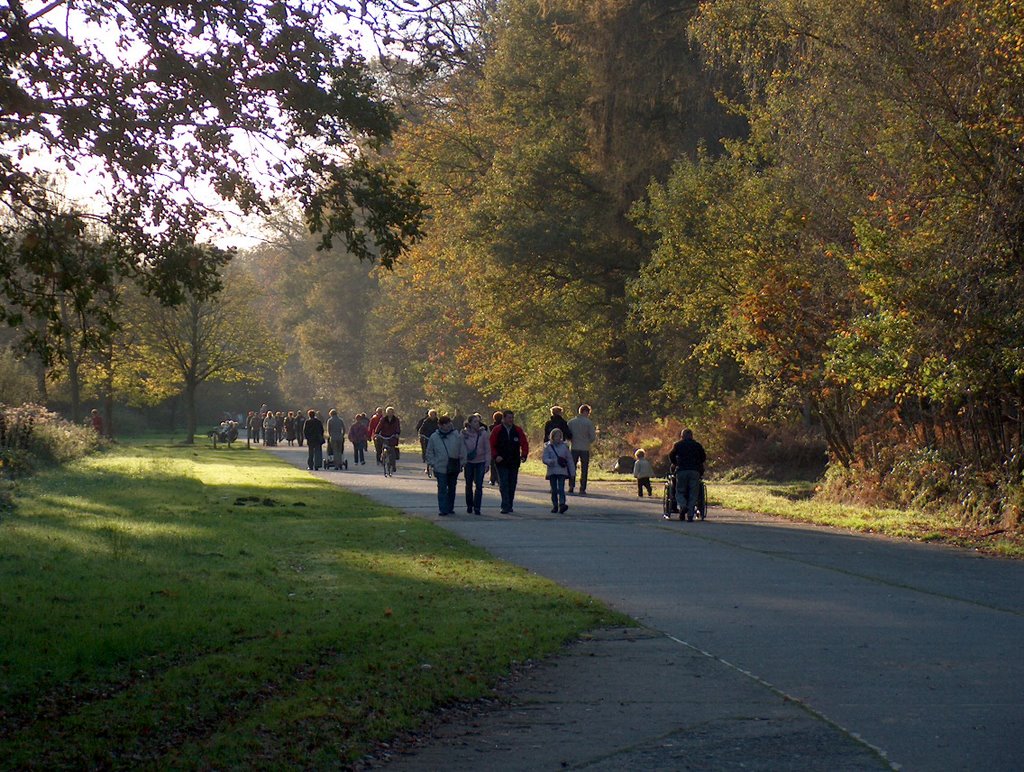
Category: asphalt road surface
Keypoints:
(766, 645)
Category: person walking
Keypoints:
(374, 420)
(253, 426)
(509, 448)
(495, 423)
(446, 454)
(560, 468)
(313, 431)
(278, 426)
(582, 435)
(268, 428)
(688, 459)
(289, 428)
(425, 427)
(336, 436)
(557, 421)
(359, 434)
(300, 422)
(477, 444)
(643, 471)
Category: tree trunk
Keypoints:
(190, 412)
(74, 382)
(108, 414)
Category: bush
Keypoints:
(31, 433)
(926, 480)
(740, 443)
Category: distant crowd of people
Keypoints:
(472, 448)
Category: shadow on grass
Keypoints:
(152, 620)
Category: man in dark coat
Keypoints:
(313, 432)
(687, 458)
(509, 448)
(557, 421)
(425, 427)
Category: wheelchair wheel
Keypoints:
(702, 501)
(666, 501)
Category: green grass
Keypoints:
(170, 606)
(796, 501)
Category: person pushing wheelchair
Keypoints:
(687, 459)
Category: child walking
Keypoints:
(561, 467)
(643, 471)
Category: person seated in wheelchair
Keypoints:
(687, 459)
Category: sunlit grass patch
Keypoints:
(796, 501)
(168, 605)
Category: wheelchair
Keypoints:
(669, 505)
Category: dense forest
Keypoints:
(796, 225)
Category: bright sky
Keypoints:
(87, 182)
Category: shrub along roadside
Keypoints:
(180, 606)
(800, 501)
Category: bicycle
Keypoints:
(387, 454)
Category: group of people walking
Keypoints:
(470, 449)
(501, 448)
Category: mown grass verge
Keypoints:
(169, 606)
(796, 501)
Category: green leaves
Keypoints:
(247, 101)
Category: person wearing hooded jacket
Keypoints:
(560, 468)
(476, 438)
(446, 453)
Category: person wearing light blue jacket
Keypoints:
(446, 453)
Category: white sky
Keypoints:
(85, 185)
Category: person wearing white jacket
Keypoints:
(643, 471)
(561, 467)
(582, 434)
(446, 453)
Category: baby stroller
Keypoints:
(669, 505)
(330, 462)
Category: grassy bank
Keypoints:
(796, 501)
(183, 607)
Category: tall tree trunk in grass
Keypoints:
(191, 419)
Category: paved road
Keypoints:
(911, 650)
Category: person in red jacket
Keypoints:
(509, 448)
(389, 429)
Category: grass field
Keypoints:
(170, 606)
(796, 501)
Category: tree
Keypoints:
(218, 338)
(172, 105)
(322, 302)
